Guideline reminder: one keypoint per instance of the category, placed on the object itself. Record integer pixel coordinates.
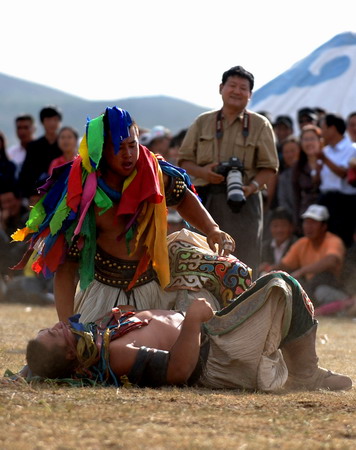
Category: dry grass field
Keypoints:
(57, 417)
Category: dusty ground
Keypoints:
(56, 417)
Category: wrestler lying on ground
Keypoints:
(264, 340)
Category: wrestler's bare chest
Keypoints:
(111, 236)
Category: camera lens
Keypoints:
(235, 195)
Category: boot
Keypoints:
(303, 370)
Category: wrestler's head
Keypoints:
(124, 161)
(52, 353)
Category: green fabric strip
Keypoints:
(37, 215)
(102, 201)
(59, 216)
(95, 139)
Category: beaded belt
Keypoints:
(119, 272)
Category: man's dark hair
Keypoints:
(25, 117)
(239, 71)
(281, 214)
(50, 111)
(47, 363)
(337, 121)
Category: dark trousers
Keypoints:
(342, 210)
(245, 226)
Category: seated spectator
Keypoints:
(25, 129)
(68, 144)
(290, 155)
(351, 126)
(13, 212)
(306, 173)
(317, 258)
(18, 286)
(13, 215)
(282, 237)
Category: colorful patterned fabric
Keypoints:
(299, 315)
(194, 266)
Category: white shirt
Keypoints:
(340, 155)
(279, 250)
(17, 155)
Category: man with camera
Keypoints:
(231, 155)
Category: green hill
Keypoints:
(20, 96)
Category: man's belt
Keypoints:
(119, 272)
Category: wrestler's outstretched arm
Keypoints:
(196, 215)
(65, 284)
(185, 352)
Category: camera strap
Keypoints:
(220, 129)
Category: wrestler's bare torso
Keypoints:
(161, 333)
(109, 228)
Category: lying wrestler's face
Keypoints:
(124, 162)
(59, 335)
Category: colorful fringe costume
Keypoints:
(65, 215)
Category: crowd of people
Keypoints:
(96, 218)
(286, 170)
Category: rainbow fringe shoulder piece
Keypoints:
(65, 214)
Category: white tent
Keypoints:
(326, 78)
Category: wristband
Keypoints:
(256, 184)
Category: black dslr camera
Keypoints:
(233, 171)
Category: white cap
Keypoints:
(316, 212)
(158, 131)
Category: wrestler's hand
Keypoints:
(208, 174)
(225, 242)
(200, 310)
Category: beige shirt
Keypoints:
(257, 151)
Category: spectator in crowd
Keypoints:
(307, 116)
(13, 212)
(215, 137)
(175, 221)
(157, 140)
(13, 215)
(306, 173)
(290, 155)
(281, 230)
(351, 126)
(321, 113)
(336, 193)
(40, 153)
(175, 145)
(7, 168)
(25, 130)
(68, 144)
(282, 127)
(317, 258)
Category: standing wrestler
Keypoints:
(105, 214)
